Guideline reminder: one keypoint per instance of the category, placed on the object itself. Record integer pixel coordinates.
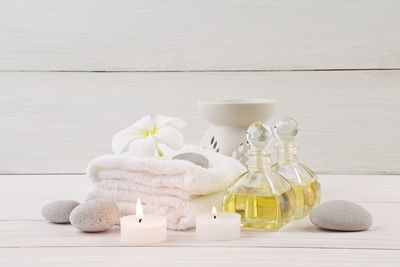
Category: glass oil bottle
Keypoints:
(304, 181)
(263, 198)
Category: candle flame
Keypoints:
(139, 210)
(214, 212)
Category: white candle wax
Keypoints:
(140, 229)
(218, 226)
(152, 229)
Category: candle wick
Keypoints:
(140, 220)
(215, 216)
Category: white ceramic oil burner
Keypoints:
(229, 119)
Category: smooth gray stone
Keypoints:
(95, 215)
(341, 215)
(194, 158)
(59, 211)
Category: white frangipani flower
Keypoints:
(141, 139)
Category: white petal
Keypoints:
(143, 123)
(161, 121)
(121, 140)
(170, 136)
(143, 147)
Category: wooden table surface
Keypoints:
(26, 239)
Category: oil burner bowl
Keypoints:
(229, 119)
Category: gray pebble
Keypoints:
(95, 215)
(194, 158)
(341, 215)
(59, 211)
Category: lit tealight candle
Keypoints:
(140, 229)
(218, 226)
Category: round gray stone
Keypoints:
(194, 158)
(341, 215)
(95, 215)
(59, 211)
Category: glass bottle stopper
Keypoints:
(286, 129)
(259, 135)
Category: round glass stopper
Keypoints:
(286, 129)
(259, 134)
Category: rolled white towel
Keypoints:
(177, 189)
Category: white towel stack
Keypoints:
(177, 189)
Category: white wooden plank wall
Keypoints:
(334, 65)
(57, 122)
(199, 34)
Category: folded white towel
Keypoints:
(177, 189)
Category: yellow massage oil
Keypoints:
(304, 181)
(263, 198)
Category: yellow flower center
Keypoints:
(151, 132)
(147, 132)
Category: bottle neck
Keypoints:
(258, 160)
(287, 151)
